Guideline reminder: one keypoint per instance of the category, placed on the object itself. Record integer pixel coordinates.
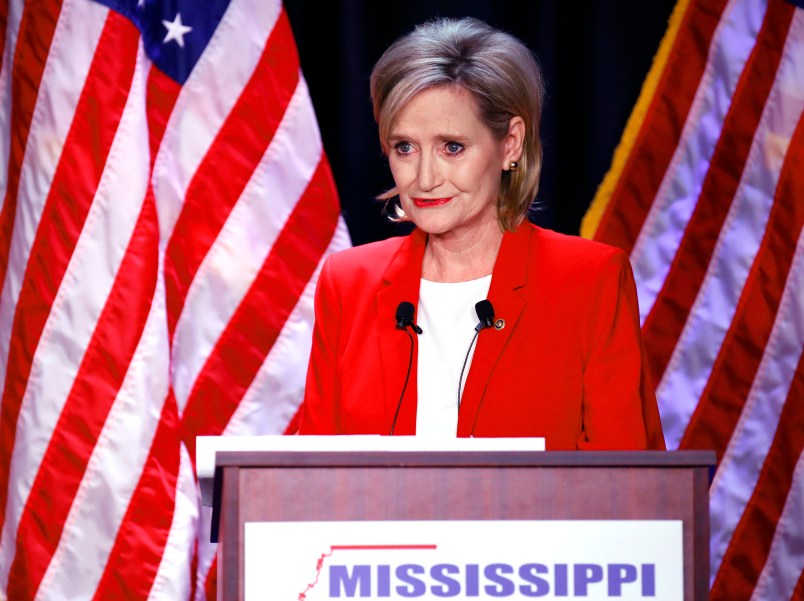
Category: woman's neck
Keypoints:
(451, 258)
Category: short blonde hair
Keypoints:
(496, 68)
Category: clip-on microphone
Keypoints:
(404, 319)
(485, 313)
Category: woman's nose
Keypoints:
(429, 173)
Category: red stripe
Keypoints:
(733, 372)
(259, 319)
(3, 28)
(236, 152)
(36, 30)
(749, 545)
(194, 569)
(94, 391)
(798, 592)
(143, 533)
(293, 424)
(75, 182)
(161, 95)
(654, 147)
(665, 322)
(140, 542)
(382, 547)
(211, 583)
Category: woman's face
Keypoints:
(446, 163)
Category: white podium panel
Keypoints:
(627, 560)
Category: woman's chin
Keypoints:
(433, 226)
(437, 225)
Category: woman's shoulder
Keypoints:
(367, 260)
(571, 245)
(568, 252)
(575, 266)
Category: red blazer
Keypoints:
(567, 365)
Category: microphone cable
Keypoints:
(485, 312)
(404, 319)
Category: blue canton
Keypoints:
(174, 32)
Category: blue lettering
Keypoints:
(472, 578)
(539, 587)
(499, 580)
(339, 577)
(384, 581)
(504, 587)
(415, 586)
(449, 587)
(619, 574)
(648, 580)
(585, 574)
(561, 580)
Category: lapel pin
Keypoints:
(499, 324)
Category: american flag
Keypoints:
(166, 207)
(706, 193)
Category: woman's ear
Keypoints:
(513, 141)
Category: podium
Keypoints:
(293, 487)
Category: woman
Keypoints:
(458, 105)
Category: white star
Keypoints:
(175, 30)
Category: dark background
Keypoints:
(594, 55)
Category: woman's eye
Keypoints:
(404, 147)
(453, 147)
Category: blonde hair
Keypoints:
(502, 76)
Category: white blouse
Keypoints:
(447, 318)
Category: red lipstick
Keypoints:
(430, 202)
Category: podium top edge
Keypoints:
(288, 459)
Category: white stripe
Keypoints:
(277, 390)
(77, 306)
(173, 579)
(74, 42)
(237, 256)
(206, 553)
(748, 447)
(15, 8)
(678, 193)
(114, 468)
(785, 563)
(206, 100)
(743, 230)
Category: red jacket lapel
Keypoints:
(508, 277)
(401, 283)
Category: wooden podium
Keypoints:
(355, 486)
